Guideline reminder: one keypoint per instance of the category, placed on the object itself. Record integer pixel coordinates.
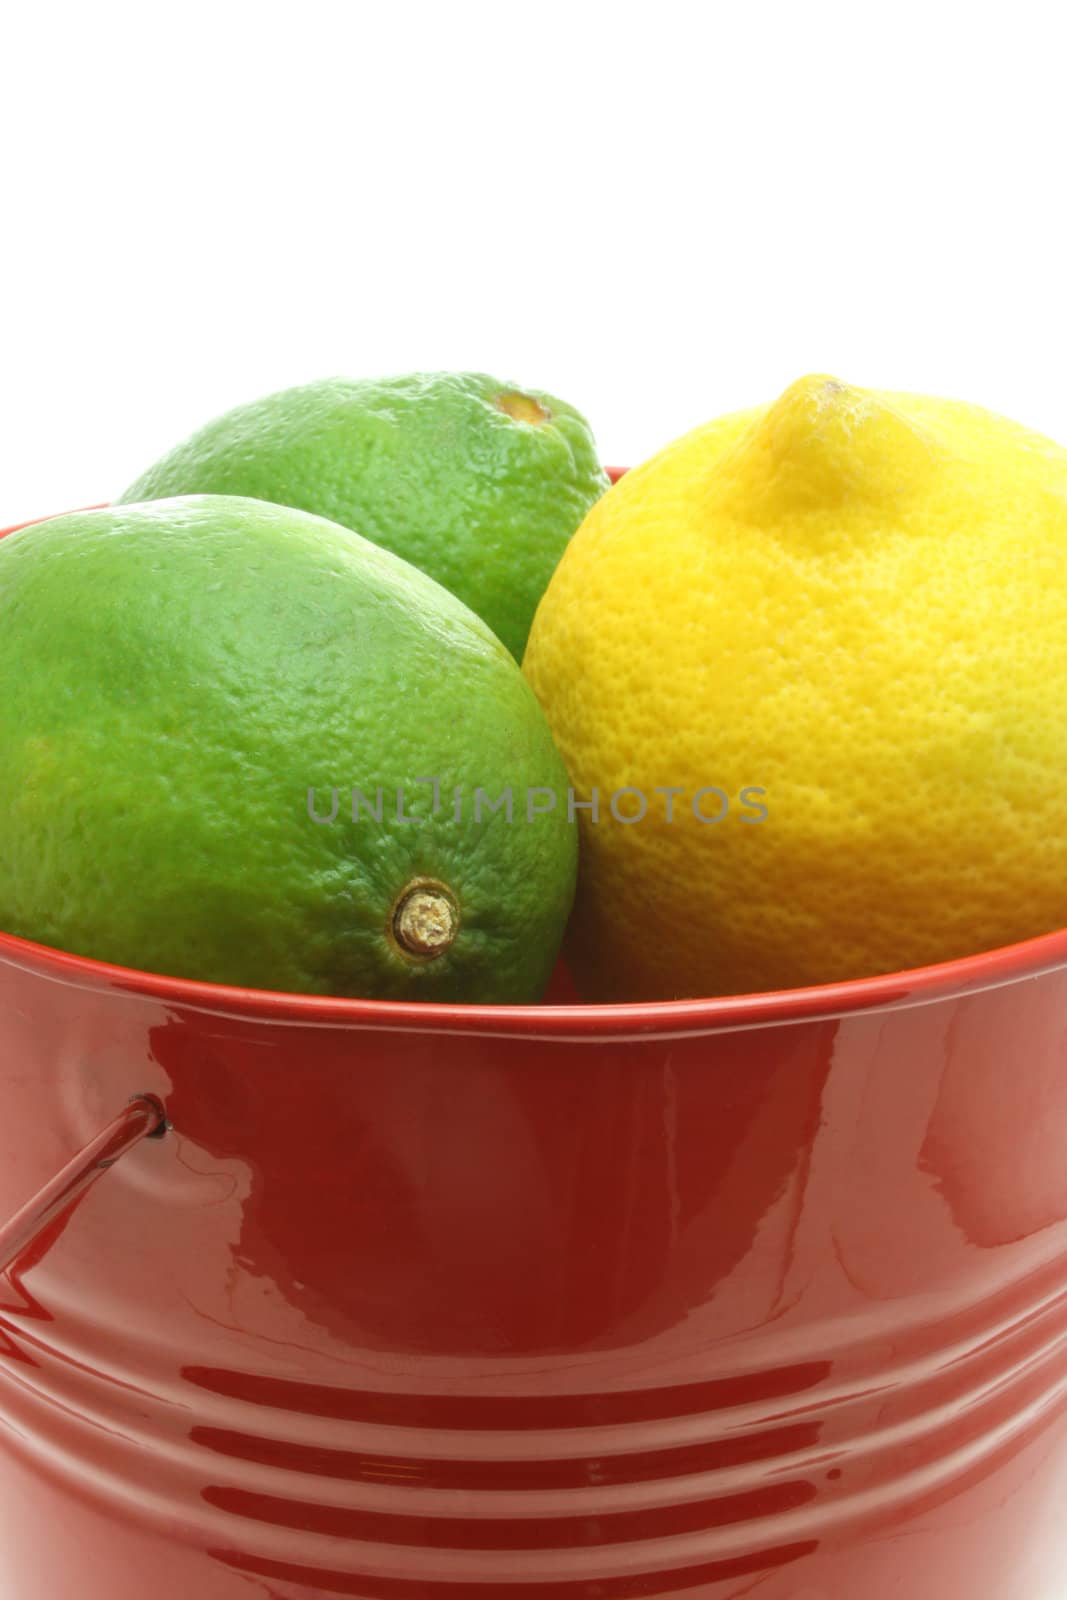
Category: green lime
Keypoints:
(478, 482)
(243, 745)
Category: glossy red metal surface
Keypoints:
(763, 1296)
(760, 1296)
(140, 1119)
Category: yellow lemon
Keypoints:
(809, 665)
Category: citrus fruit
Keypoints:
(243, 745)
(836, 627)
(478, 482)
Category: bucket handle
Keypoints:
(143, 1118)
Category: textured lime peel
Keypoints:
(425, 921)
(477, 482)
(158, 761)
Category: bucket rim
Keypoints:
(943, 981)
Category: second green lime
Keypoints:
(478, 482)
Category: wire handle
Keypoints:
(142, 1118)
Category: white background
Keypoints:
(659, 213)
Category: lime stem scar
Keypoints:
(425, 920)
(523, 407)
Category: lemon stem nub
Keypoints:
(425, 921)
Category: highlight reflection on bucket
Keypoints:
(759, 1296)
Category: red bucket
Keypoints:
(754, 1296)
(763, 1296)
